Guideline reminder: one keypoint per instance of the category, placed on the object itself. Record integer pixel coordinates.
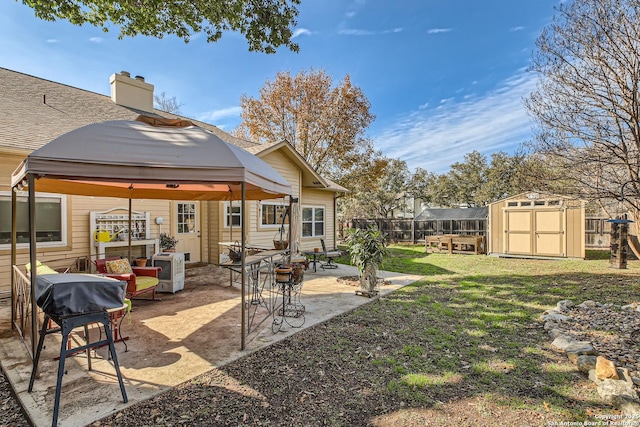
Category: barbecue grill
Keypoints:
(72, 301)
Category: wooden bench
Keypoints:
(452, 243)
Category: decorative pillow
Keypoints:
(119, 266)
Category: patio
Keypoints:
(170, 341)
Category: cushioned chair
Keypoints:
(140, 280)
(329, 256)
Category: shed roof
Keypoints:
(453, 214)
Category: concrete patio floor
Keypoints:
(170, 342)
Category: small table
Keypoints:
(315, 259)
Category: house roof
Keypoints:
(453, 214)
(53, 109)
(31, 103)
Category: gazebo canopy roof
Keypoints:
(171, 160)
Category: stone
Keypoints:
(605, 368)
(555, 317)
(616, 392)
(579, 348)
(562, 342)
(587, 304)
(555, 333)
(586, 363)
(630, 408)
(624, 375)
(565, 305)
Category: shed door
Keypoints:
(549, 233)
(518, 232)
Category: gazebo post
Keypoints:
(242, 265)
(32, 260)
(14, 225)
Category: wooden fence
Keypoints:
(597, 230)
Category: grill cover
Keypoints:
(62, 295)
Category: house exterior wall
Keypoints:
(312, 197)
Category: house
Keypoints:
(36, 111)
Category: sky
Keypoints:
(444, 77)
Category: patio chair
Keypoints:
(329, 256)
(140, 280)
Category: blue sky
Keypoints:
(444, 77)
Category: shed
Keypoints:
(537, 225)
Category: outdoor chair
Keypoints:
(140, 280)
(329, 256)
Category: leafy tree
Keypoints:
(164, 103)
(266, 24)
(419, 184)
(367, 249)
(587, 103)
(468, 177)
(326, 124)
(503, 178)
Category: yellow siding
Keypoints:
(311, 197)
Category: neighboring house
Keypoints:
(35, 111)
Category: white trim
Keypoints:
(313, 222)
(63, 220)
(225, 210)
(276, 226)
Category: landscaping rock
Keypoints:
(630, 408)
(586, 363)
(605, 368)
(579, 348)
(555, 317)
(562, 342)
(616, 392)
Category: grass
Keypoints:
(474, 319)
(462, 346)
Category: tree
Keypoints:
(164, 103)
(325, 124)
(266, 24)
(503, 178)
(587, 103)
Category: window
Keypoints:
(51, 219)
(186, 218)
(232, 211)
(271, 214)
(312, 222)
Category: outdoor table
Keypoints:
(316, 257)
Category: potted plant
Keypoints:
(367, 249)
(168, 243)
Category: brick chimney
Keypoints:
(128, 92)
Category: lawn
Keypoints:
(463, 346)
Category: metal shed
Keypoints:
(537, 225)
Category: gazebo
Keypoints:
(150, 158)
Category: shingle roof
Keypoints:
(455, 214)
(34, 111)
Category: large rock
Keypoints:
(562, 342)
(605, 369)
(579, 348)
(555, 317)
(586, 363)
(616, 392)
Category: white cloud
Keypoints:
(354, 32)
(439, 30)
(95, 39)
(514, 29)
(435, 138)
(53, 41)
(299, 32)
(223, 113)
